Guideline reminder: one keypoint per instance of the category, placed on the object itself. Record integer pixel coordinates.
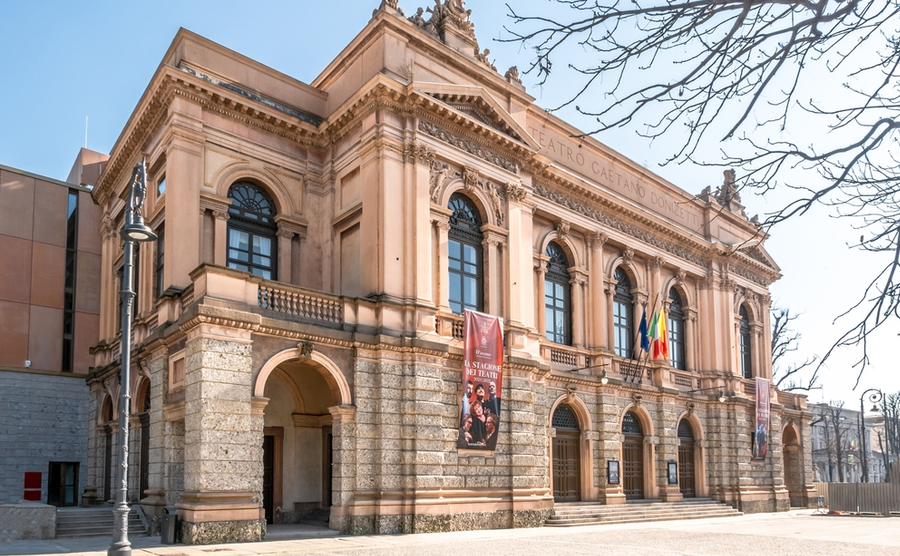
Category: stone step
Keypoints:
(572, 514)
(77, 523)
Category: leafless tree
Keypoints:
(837, 438)
(731, 82)
(890, 442)
(786, 340)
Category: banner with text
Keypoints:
(479, 415)
(761, 432)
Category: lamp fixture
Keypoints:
(722, 396)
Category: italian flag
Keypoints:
(659, 334)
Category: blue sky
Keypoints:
(64, 61)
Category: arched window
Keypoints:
(465, 255)
(746, 360)
(557, 296)
(676, 331)
(251, 230)
(623, 311)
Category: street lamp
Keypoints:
(133, 231)
(875, 397)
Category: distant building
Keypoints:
(49, 315)
(837, 449)
(297, 339)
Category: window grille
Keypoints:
(684, 430)
(631, 426)
(564, 418)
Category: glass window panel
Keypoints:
(471, 269)
(548, 288)
(471, 295)
(262, 261)
(237, 266)
(559, 291)
(470, 254)
(455, 249)
(239, 239)
(239, 255)
(455, 264)
(456, 307)
(455, 287)
(262, 245)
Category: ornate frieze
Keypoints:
(610, 222)
(468, 146)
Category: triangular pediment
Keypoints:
(478, 105)
(759, 254)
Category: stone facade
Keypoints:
(296, 347)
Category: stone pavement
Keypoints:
(795, 533)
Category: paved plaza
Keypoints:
(796, 533)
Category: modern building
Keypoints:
(297, 338)
(49, 315)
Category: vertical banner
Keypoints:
(482, 380)
(761, 431)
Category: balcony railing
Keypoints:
(294, 301)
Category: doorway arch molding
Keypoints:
(585, 445)
(329, 370)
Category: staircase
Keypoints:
(569, 514)
(76, 523)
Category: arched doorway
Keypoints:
(297, 443)
(106, 418)
(790, 444)
(144, 454)
(632, 457)
(566, 455)
(687, 482)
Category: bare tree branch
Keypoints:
(730, 82)
(785, 340)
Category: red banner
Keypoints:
(479, 421)
(761, 430)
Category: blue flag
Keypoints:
(645, 340)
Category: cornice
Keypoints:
(582, 207)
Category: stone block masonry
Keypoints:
(39, 417)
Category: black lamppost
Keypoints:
(134, 230)
(875, 397)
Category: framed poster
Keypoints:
(760, 435)
(673, 473)
(612, 471)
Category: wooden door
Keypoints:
(566, 467)
(686, 479)
(633, 467)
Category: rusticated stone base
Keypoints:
(216, 532)
(439, 523)
(764, 506)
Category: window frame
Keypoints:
(256, 223)
(745, 343)
(676, 329)
(465, 230)
(558, 276)
(623, 326)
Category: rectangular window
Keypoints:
(676, 343)
(160, 260)
(68, 335)
(161, 186)
(622, 326)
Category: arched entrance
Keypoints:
(297, 435)
(632, 457)
(566, 455)
(143, 417)
(790, 444)
(687, 478)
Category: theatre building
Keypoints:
(297, 342)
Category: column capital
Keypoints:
(343, 413)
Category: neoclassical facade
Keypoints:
(297, 339)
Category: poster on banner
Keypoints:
(761, 429)
(482, 380)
